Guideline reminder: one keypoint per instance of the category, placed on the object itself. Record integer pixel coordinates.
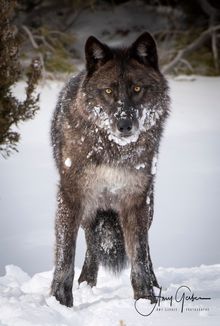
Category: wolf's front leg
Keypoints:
(135, 228)
(150, 213)
(67, 225)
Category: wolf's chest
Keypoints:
(105, 178)
(106, 187)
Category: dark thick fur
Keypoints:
(106, 132)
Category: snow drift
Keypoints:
(25, 301)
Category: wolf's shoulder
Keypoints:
(67, 96)
(70, 89)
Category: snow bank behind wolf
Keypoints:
(106, 132)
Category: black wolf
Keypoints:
(106, 132)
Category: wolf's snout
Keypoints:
(124, 126)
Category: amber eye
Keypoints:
(108, 90)
(137, 89)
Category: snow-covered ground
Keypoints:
(25, 301)
(184, 233)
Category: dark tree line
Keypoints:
(53, 45)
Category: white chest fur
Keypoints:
(105, 187)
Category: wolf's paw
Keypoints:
(84, 277)
(145, 294)
(63, 295)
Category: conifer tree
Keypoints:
(13, 111)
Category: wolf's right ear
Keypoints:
(96, 54)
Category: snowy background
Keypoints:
(185, 230)
(184, 233)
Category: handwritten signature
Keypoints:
(183, 294)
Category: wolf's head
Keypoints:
(125, 92)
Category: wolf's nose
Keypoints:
(124, 126)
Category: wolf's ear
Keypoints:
(144, 50)
(96, 54)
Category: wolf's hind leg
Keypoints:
(90, 267)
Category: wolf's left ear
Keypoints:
(96, 54)
(144, 50)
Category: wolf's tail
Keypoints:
(110, 244)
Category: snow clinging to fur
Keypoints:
(150, 114)
(68, 162)
(154, 165)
